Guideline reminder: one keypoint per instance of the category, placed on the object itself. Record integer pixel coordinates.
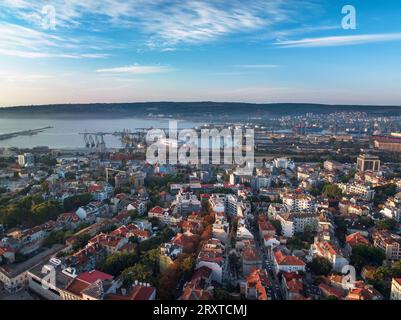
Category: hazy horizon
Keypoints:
(199, 101)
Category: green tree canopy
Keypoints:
(363, 255)
(320, 266)
(386, 224)
(139, 272)
(332, 191)
(114, 264)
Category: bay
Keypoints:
(65, 133)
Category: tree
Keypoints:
(382, 276)
(117, 262)
(363, 255)
(278, 227)
(74, 202)
(207, 233)
(307, 235)
(165, 235)
(346, 178)
(70, 176)
(47, 160)
(30, 211)
(44, 186)
(383, 192)
(221, 294)
(332, 191)
(320, 266)
(341, 229)
(54, 237)
(168, 283)
(151, 260)
(139, 272)
(366, 221)
(45, 211)
(187, 263)
(386, 224)
(82, 241)
(295, 243)
(134, 214)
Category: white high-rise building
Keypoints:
(26, 160)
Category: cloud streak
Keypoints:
(164, 22)
(258, 66)
(136, 69)
(23, 42)
(336, 41)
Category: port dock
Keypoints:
(31, 132)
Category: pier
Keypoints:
(6, 136)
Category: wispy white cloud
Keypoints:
(43, 55)
(257, 66)
(166, 23)
(340, 40)
(24, 42)
(136, 69)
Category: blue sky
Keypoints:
(177, 50)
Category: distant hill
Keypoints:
(187, 110)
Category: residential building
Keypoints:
(392, 208)
(332, 165)
(362, 190)
(200, 287)
(221, 228)
(297, 202)
(367, 162)
(287, 263)
(186, 202)
(326, 250)
(26, 160)
(217, 202)
(212, 256)
(256, 284)
(250, 260)
(396, 289)
(296, 222)
(389, 242)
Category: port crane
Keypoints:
(95, 140)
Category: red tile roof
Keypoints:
(94, 275)
(5, 249)
(258, 279)
(287, 260)
(325, 247)
(202, 272)
(331, 291)
(141, 293)
(295, 286)
(96, 188)
(356, 238)
(157, 210)
(250, 254)
(291, 275)
(77, 286)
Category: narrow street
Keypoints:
(274, 290)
